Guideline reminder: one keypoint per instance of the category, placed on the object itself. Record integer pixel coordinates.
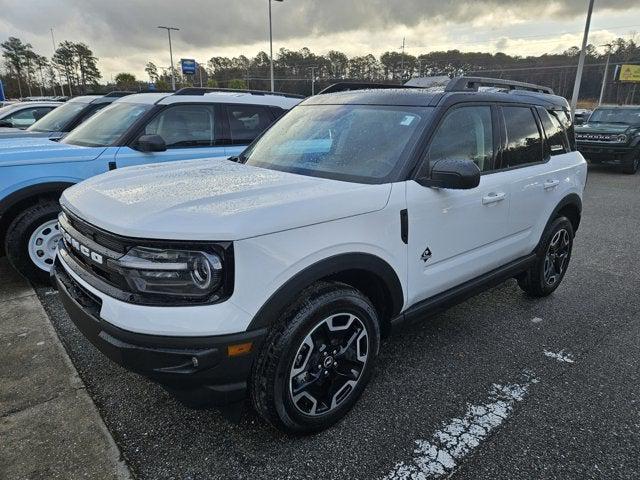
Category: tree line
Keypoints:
(74, 68)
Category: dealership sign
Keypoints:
(629, 73)
(188, 66)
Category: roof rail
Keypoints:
(118, 93)
(204, 90)
(347, 86)
(471, 84)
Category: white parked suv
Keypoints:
(276, 274)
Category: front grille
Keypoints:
(108, 246)
(107, 240)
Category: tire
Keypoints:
(633, 166)
(323, 313)
(541, 280)
(36, 224)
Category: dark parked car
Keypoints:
(612, 136)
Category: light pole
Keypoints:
(583, 52)
(606, 72)
(173, 75)
(313, 80)
(53, 41)
(271, 43)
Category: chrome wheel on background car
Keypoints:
(555, 260)
(328, 364)
(43, 244)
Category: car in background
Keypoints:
(611, 136)
(135, 130)
(21, 115)
(67, 117)
(581, 116)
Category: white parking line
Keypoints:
(457, 438)
(561, 356)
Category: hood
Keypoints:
(9, 132)
(214, 199)
(614, 128)
(29, 151)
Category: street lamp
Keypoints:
(271, 43)
(606, 72)
(173, 75)
(583, 52)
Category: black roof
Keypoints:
(461, 89)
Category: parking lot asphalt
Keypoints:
(499, 387)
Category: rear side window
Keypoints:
(524, 143)
(565, 118)
(246, 122)
(556, 139)
(465, 133)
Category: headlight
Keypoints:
(187, 274)
(622, 138)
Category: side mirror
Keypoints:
(151, 143)
(453, 173)
(6, 123)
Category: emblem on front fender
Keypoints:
(426, 255)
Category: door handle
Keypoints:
(493, 197)
(551, 184)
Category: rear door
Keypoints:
(243, 124)
(190, 131)
(456, 235)
(533, 182)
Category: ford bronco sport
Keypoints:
(611, 136)
(275, 275)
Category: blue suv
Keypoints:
(137, 129)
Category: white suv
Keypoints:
(276, 274)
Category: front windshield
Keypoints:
(57, 119)
(628, 116)
(358, 143)
(106, 126)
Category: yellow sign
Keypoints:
(630, 73)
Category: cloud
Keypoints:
(123, 32)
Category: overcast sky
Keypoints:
(123, 33)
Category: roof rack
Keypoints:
(471, 84)
(347, 86)
(118, 93)
(204, 90)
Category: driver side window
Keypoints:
(184, 126)
(465, 133)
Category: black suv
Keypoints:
(612, 136)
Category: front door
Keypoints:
(456, 235)
(189, 132)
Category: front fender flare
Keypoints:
(287, 293)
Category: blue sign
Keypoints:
(2, 97)
(188, 66)
(152, 87)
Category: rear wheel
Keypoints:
(32, 239)
(552, 260)
(315, 365)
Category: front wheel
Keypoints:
(633, 166)
(315, 365)
(552, 259)
(32, 239)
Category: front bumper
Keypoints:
(610, 154)
(181, 364)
